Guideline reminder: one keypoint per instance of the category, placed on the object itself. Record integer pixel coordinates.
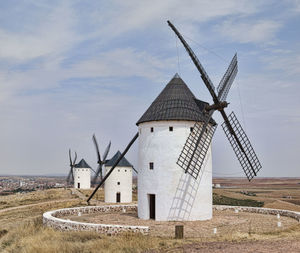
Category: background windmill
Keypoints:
(99, 172)
(198, 142)
(70, 177)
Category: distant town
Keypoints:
(22, 184)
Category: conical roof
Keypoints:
(123, 162)
(175, 102)
(82, 164)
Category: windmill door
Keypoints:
(118, 197)
(78, 185)
(152, 206)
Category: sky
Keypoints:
(72, 68)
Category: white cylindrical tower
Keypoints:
(82, 175)
(118, 186)
(165, 191)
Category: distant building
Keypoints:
(82, 175)
(118, 186)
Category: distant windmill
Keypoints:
(70, 177)
(198, 142)
(100, 161)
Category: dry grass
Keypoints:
(31, 236)
(21, 230)
(34, 197)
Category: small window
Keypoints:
(125, 170)
(171, 129)
(118, 183)
(118, 170)
(191, 129)
(151, 166)
(151, 129)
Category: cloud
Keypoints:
(48, 35)
(262, 31)
(287, 63)
(71, 68)
(123, 62)
(128, 16)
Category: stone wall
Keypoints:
(55, 220)
(286, 213)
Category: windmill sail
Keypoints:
(244, 152)
(70, 177)
(100, 161)
(227, 80)
(194, 58)
(197, 144)
(192, 156)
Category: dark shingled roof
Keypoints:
(122, 163)
(175, 102)
(82, 164)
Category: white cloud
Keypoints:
(295, 5)
(127, 16)
(262, 31)
(52, 34)
(124, 62)
(287, 64)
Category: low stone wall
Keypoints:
(54, 219)
(286, 213)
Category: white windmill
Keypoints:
(82, 175)
(175, 171)
(118, 187)
(165, 192)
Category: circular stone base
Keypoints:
(227, 220)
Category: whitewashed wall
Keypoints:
(111, 187)
(82, 176)
(178, 195)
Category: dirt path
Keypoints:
(78, 193)
(35, 204)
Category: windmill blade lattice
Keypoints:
(195, 149)
(227, 79)
(237, 137)
(106, 152)
(247, 158)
